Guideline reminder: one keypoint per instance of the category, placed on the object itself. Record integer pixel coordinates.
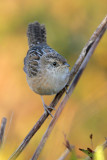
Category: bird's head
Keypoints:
(54, 63)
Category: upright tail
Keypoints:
(36, 34)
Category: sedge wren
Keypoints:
(46, 70)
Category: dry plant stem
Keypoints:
(69, 148)
(10, 121)
(105, 144)
(2, 130)
(66, 152)
(64, 155)
(59, 95)
(65, 99)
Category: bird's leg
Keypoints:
(47, 108)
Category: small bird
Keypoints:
(46, 70)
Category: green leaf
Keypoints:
(88, 152)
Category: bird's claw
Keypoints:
(66, 89)
(48, 111)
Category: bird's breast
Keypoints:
(48, 84)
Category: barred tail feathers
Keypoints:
(36, 34)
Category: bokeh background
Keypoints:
(69, 26)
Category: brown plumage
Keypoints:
(46, 70)
(36, 34)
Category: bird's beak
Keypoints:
(66, 64)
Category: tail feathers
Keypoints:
(36, 34)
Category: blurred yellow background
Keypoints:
(69, 26)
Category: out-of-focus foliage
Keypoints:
(73, 156)
(69, 25)
(99, 155)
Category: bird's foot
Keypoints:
(51, 108)
(47, 109)
(66, 89)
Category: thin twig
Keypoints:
(10, 121)
(69, 148)
(59, 95)
(70, 91)
(65, 154)
(105, 144)
(91, 138)
(2, 130)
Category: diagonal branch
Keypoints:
(59, 95)
(2, 129)
(70, 91)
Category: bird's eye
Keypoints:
(54, 63)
